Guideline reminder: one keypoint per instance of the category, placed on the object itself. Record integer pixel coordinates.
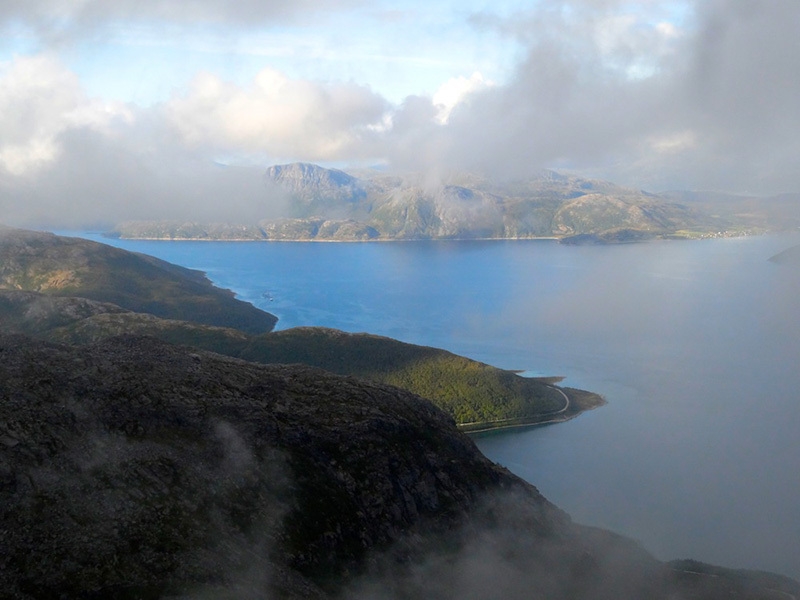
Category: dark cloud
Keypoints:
(710, 106)
(80, 14)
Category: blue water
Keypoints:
(695, 345)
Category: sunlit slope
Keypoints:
(78, 292)
(62, 266)
(328, 204)
(475, 394)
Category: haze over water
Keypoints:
(695, 345)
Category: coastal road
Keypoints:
(566, 402)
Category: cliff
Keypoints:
(136, 469)
(329, 204)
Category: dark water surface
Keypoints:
(695, 345)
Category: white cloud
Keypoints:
(277, 116)
(454, 91)
(61, 14)
(704, 102)
(39, 100)
(673, 143)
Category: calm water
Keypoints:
(695, 345)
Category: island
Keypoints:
(319, 204)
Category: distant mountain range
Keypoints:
(331, 205)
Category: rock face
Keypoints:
(329, 204)
(136, 469)
(61, 266)
(316, 190)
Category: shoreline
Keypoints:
(581, 400)
(326, 241)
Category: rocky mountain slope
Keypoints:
(62, 266)
(477, 395)
(137, 469)
(329, 204)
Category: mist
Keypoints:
(503, 552)
(641, 97)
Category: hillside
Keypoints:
(137, 469)
(329, 204)
(62, 266)
(474, 394)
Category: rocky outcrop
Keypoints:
(329, 204)
(62, 266)
(136, 469)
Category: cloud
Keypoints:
(82, 14)
(67, 160)
(276, 116)
(39, 100)
(454, 91)
(633, 98)
(603, 88)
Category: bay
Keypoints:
(695, 346)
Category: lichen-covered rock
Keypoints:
(139, 468)
(136, 469)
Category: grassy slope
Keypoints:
(470, 391)
(59, 266)
(75, 291)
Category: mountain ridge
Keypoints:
(62, 266)
(81, 312)
(136, 469)
(332, 205)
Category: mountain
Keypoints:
(61, 266)
(317, 190)
(476, 395)
(137, 469)
(329, 204)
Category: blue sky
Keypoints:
(398, 49)
(696, 94)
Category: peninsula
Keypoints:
(74, 291)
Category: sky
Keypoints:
(116, 109)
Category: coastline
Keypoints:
(328, 241)
(580, 401)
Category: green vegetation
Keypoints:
(60, 266)
(332, 205)
(77, 292)
(476, 395)
(472, 392)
